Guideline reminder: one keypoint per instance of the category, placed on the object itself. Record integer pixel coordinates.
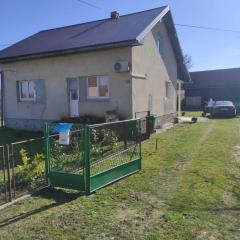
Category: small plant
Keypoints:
(103, 140)
(67, 157)
(30, 171)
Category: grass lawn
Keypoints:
(188, 189)
(193, 114)
(10, 135)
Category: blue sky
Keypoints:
(208, 49)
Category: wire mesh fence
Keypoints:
(3, 181)
(27, 164)
(22, 168)
(112, 149)
(67, 158)
(113, 144)
(161, 120)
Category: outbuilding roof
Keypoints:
(220, 78)
(127, 30)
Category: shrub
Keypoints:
(103, 140)
(30, 171)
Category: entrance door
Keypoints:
(73, 97)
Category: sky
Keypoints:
(208, 49)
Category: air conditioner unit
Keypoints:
(121, 66)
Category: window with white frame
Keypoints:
(98, 87)
(27, 90)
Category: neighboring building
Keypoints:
(125, 63)
(222, 84)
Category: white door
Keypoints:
(74, 97)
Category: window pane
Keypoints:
(74, 95)
(31, 89)
(24, 89)
(103, 86)
(92, 87)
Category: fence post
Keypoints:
(4, 172)
(11, 158)
(9, 175)
(87, 158)
(47, 151)
(148, 124)
(140, 143)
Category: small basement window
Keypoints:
(27, 90)
(98, 87)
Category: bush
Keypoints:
(67, 157)
(103, 140)
(30, 171)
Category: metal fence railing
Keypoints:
(69, 157)
(3, 177)
(113, 144)
(22, 168)
(160, 121)
(95, 156)
(92, 155)
(27, 162)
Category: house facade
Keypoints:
(49, 83)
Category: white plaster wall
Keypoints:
(146, 59)
(55, 71)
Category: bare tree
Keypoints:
(188, 60)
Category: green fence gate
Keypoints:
(96, 155)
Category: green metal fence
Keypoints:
(96, 155)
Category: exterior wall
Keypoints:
(150, 93)
(55, 71)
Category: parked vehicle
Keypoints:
(223, 109)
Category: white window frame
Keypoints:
(26, 99)
(98, 80)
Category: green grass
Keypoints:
(188, 189)
(193, 114)
(10, 135)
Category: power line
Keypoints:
(90, 4)
(208, 28)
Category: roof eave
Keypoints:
(143, 34)
(132, 42)
(178, 51)
(186, 76)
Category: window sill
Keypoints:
(107, 99)
(27, 101)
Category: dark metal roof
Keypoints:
(222, 78)
(97, 33)
(183, 73)
(127, 30)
